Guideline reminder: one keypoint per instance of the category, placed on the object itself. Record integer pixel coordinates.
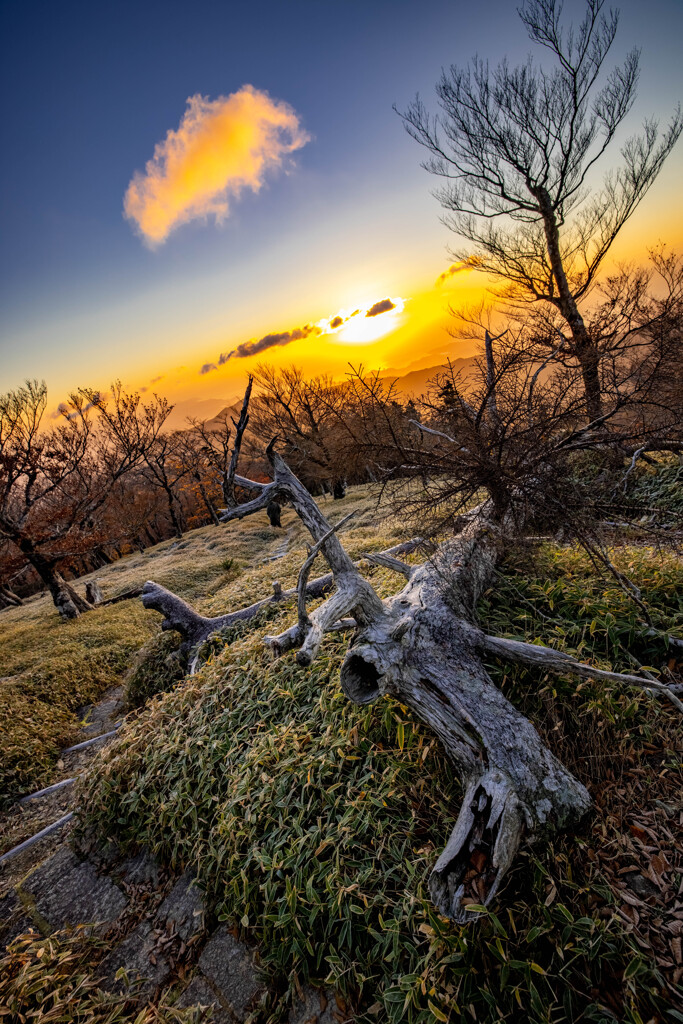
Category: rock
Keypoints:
(146, 969)
(67, 891)
(640, 885)
(139, 870)
(13, 919)
(184, 908)
(103, 716)
(313, 1008)
(199, 993)
(229, 966)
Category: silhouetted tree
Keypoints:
(517, 147)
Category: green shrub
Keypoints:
(157, 667)
(314, 823)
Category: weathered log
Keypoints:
(422, 647)
(93, 592)
(8, 597)
(195, 628)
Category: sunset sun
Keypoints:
(369, 323)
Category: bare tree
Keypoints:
(55, 482)
(138, 427)
(215, 447)
(192, 453)
(518, 148)
(305, 414)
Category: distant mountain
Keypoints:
(211, 410)
(195, 408)
(415, 383)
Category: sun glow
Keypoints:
(366, 324)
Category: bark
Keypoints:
(93, 592)
(8, 597)
(195, 628)
(67, 601)
(175, 519)
(426, 653)
(584, 348)
(241, 425)
(274, 512)
(423, 647)
(207, 502)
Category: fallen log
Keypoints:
(423, 647)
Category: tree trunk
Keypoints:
(274, 510)
(583, 347)
(208, 503)
(8, 597)
(425, 652)
(93, 592)
(229, 476)
(177, 527)
(67, 601)
(153, 537)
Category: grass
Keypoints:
(50, 668)
(314, 823)
(50, 979)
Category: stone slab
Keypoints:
(146, 969)
(229, 966)
(139, 870)
(68, 891)
(13, 919)
(184, 908)
(309, 1010)
(199, 993)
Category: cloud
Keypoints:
(252, 348)
(221, 147)
(457, 268)
(155, 380)
(381, 307)
(280, 338)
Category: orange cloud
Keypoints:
(221, 147)
(456, 268)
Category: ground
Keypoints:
(312, 824)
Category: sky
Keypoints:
(189, 189)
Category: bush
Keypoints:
(313, 823)
(157, 667)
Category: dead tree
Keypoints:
(422, 647)
(516, 148)
(215, 448)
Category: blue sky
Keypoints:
(89, 89)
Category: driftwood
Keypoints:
(422, 646)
